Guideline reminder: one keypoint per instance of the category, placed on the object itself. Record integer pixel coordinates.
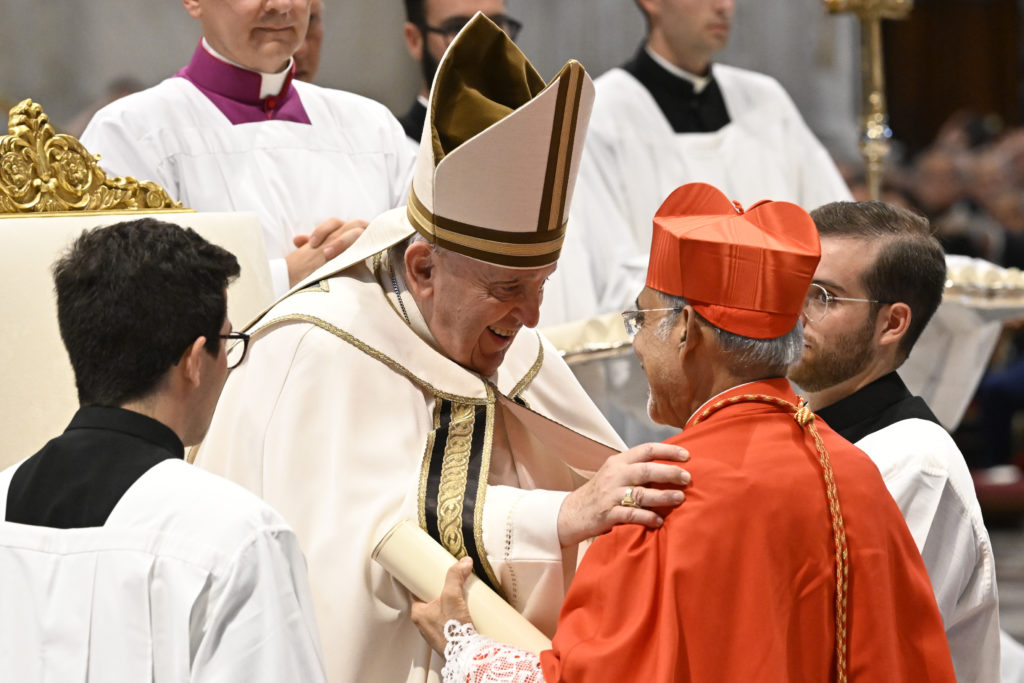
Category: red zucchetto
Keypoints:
(746, 272)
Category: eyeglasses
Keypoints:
(818, 300)
(450, 27)
(236, 348)
(634, 320)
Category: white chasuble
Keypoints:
(347, 421)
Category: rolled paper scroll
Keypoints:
(420, 563)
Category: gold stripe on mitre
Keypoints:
(483, 83)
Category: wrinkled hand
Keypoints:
(330, 238)
(430, 617)
(596, 507)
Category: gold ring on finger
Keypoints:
(628, 500)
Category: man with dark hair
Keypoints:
(672, 115)
(234, 131)
(120, 561)
(789, 561)
(879, 282)
(430, 26)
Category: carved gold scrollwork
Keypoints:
(45, 171)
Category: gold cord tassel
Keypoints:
(805, 418)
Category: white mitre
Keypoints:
(500, 151)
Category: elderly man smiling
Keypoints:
(399, 381)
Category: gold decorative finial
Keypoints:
(45, 171)
(874, 143)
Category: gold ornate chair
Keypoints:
(51, 189)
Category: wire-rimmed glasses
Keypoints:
(634, 319)
(819, 299)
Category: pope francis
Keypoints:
(397, 381)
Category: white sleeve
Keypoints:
(820, 181)
(404, 164)
(473, 658)
(943, 517)
(520, 530)
(259, 623)
(959, 560)
(127, 151)
(279, 276)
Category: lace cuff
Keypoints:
(473, 658)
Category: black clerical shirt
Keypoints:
(77, 478)
(876, 406)
(686, 110)
(412, 121)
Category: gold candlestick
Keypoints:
(874, 118)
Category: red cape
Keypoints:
(739, 584)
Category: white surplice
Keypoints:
(190, 579)
(928, 478)
(352, 160)
(633, 159)
(329, 419)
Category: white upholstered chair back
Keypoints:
(51, 190)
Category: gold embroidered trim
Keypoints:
(481, 492)
(426, 223)
(451, 491)
(425, 465)
(805, 418)
(460, 403)
(320, 286)
(42, 171)
(370, 351)
(531, 373)
(560, 148)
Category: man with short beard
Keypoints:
(879, 281)
(430, 27)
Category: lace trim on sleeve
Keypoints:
(473, 658)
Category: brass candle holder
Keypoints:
(875, 132)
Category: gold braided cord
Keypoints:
(805, 418)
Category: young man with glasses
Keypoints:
(121, 562)
(430, 26)
(879, 282)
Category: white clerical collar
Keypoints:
(715, 397)
(270, 85)
(422, 100)
(699, 82)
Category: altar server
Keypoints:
(232, 131)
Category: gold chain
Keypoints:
(805, 418)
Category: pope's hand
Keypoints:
(330, 238)
(430, 617)
(618, 493)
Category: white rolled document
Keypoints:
(420, 564)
